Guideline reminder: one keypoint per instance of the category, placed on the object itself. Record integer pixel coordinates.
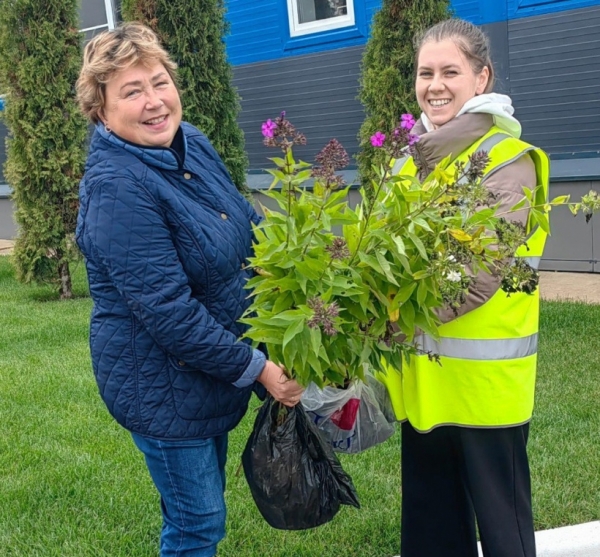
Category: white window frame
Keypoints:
(298, 29)
(110, 18)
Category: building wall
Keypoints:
(317, 91)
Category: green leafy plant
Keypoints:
(340, 289)
(41, 56)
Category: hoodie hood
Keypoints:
(498, 106)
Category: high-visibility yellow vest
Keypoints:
(489, 355)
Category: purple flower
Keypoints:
(268, 128)
(377, 139)
(412, 139)
(407, 121)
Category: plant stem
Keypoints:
(370, 209)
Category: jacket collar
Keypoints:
(160, 157)
(450, 139)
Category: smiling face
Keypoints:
(142, 105)
(446, 81)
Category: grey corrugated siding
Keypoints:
(555, 80)
(318, 93)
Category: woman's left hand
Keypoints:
(280, 386)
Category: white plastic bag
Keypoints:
(352, 419)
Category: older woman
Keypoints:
(166, 237)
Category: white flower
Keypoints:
(453, 276)
(451, 258)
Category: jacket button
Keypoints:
(187, 175)
(224, 216)
(181, 363)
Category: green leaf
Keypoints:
(422, 292)
(283, 302)
(371, 262)
(400, 245)
(560, 200)
(315, 338)
(407, 316)
(419, 245)
(277, 161)
(294, 329)
(519, 205)
(385, 265)
(405, 292)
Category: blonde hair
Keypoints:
(469, 39)
(111, 51)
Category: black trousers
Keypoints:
(452, 475)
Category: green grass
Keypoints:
(72, 483)
(565, 432)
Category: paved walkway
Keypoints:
(583, 287)
(5, 247)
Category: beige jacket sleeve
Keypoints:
(507, 185)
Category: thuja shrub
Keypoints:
(192, 31)
(388, 72)
(41, 56)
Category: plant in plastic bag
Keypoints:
(353, 419)
(295, 477)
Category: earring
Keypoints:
(107, 128)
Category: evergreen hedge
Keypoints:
(192, 31)
(388, 72)
(40, 56)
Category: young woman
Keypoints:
(467, 420)
(166, 236)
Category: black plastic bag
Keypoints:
(295, 477)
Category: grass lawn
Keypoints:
(73, 485)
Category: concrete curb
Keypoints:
(581, 540)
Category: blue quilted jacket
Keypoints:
(165, 245)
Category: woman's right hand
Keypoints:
(282, 388)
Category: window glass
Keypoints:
(95, 13)
(316, 10)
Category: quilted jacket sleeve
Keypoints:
(132, 241)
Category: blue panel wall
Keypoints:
(260, 31)
(527, 8)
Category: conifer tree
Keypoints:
(40, 58)
(388, 72)
(192, 31)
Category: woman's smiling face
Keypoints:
(446, 81)
(142, 105)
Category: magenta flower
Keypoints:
(377, 139)
(407, 121)
(268, 128)
(412, 138)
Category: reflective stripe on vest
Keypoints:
(488, 355)
(476, 349)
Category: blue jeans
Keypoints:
(190, 477)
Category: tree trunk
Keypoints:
(66, 287)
